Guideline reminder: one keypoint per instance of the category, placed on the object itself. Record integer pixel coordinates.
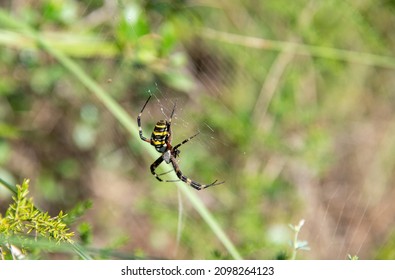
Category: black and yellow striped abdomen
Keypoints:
(160, 136)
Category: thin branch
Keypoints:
(301, 49)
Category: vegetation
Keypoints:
(23, 219)
(294, 105)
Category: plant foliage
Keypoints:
(24, 220)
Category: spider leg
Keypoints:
(185, 141)
(172, 112)
(142, 137)
(169, 126)
(188, 181)
(154, 166)
(179, 174)
(167, 172)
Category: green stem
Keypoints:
(9, 186)
(295, 245)
(301, 49)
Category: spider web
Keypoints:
(348, 208)
(294, 136)
(340, 211)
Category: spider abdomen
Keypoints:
(160, 135)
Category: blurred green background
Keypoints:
(295, 102)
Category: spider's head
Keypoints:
(167, 155)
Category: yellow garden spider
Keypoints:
(161, 139)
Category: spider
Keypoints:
(161, 139)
